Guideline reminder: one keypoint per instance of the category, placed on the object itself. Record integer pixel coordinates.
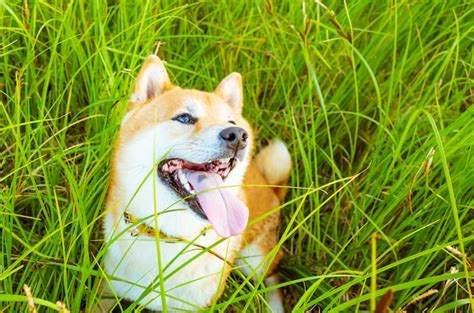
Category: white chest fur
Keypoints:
(189, 278)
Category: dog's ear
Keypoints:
(152, 81)
(230, 89)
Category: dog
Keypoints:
(186, 201)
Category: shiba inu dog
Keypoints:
(186, 201)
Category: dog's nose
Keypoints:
(235, 137)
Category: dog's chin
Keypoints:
(173, 172)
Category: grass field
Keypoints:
(374, 99)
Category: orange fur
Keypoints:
(261, 200)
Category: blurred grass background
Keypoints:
(374, 99)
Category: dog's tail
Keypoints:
(274, 162)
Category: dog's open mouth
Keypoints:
(201, 185)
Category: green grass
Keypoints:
(374, 99)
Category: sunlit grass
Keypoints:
(374, 99)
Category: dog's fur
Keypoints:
(148, 134)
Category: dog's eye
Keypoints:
(232, 122)
(185, 118)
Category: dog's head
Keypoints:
(186, 144)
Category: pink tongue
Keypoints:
(227, 214)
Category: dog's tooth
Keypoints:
(188, 188)
(182, 178)
(226, 171)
